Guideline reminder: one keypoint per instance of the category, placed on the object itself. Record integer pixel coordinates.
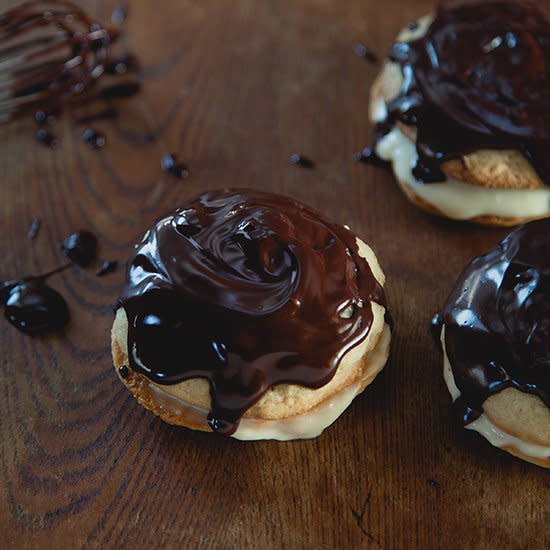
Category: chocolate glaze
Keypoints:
(123, 371)
(80, 247)
(247, 290)
(478, 79)
(497, 321)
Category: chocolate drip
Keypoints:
(107, 266)
(247, 290)
(478, 79)
(497, 320)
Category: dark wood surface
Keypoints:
(238, 86)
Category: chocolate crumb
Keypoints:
(34, 229)
(106, 267)
(433, 483)
(45, 137)
(93, 138)
(300, 160)
(170, 164)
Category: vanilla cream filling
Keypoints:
(304, 426)
(456, 199)
(483, 424)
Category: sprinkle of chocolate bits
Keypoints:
(123, 371)
(300, 160)
(362, 51)
(93, 138)
(106, 267)
(34, 229)
(170, 164)
(46, 138)
(41, 117)
(81, 248)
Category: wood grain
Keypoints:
(237, 87)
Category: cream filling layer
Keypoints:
(456, 199)
(304, 426)
(483, 424)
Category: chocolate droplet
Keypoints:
(106, 267)
(81, 248)
(300, 160)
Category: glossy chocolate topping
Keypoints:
(248, 290)
(497, 320)
(478, 79)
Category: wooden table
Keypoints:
(238, 86)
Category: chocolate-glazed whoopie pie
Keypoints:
(462, 108)
(250, 314)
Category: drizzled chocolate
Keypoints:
(53, 55)
(478, 79)
(248, 290)
(497, 321)
(57, 53)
